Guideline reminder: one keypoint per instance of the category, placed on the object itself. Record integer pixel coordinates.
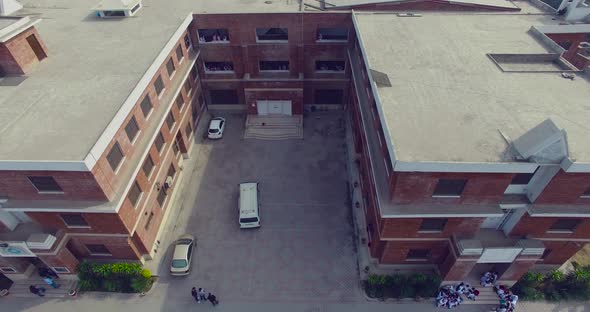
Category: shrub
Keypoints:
(146, 273)
(140, 284)
(113, 277)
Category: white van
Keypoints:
(248, 205)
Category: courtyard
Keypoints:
(304, 249)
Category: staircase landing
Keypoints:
(274, 127)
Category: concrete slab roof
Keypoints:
(492, 3)
(450, 103)
(66, 102)
(7, 21)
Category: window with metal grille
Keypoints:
(115, 156)
(146, 106)
(219, 35)
(450, 187)
(212, 67)
(159, 85)
(134, 193)
(274, 65)
(272, 34)
(332, 34)
(330, 66)
(132, 129)
(45, 184)
(74, 220)
(432, 225)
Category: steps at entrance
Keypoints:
(274, 127)
(486, 296)
(20, 288)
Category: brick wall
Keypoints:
(98, 222)
(566, 188)
(63, 258)
(571, 53)
(19, 264)
(76, 185)
(560, 251)
(296, 97)
(119, 247)
(408, 227)
(17, 56)
(538, 226)
(481, 188)
(428, 5)
(396, 251)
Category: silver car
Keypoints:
(182, 256)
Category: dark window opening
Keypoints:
(522, 178)
(187, 87)
(274, 65)
(161, 197)
(45, 184)
(328, 96)
(113, 13)
(546, 253)
(187, 41)
(135, 8)
(170, 121)
(213, 35)
(337, 34)
(587, 192)
(179, 101)
(188, 130)
(194, 73)
(146, 106)
(224, 96)
(134, 194)
(74, 219)
(172, 172)
(159, 85)
(566, 44)
(115, 157)
(149, 221)
(418, 254)
(219, 66)
(272, 34)
(449, 187)
(170, 67)
(175, 147)
(160, 142)
(336, 66)
(432, 225)
(148, 166)
(565, 225)
(98, 249)
(36, 47)
(132, 129)
(179, 53)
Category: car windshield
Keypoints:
(213, 130)
(179, 263)
(248, 220)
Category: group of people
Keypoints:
(201, 296)
(488, 279)
(449, 296)
(507, 299)
(49, 277)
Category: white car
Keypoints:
(182, 256)
(216, 127)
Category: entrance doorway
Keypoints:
(36, 47)
(274, 108)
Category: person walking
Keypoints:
(50, 282)
(211, 297)
(39, 291)
(195, 294)
(202, 294)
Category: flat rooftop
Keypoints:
(58, 112)
(450, 102)
(494, 3)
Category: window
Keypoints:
(188, 130)
(132, 129)
(522, 178)
(172, 172)
(449, 187)
(418, 254)
(134, 194)
(113, 13)
(7, 270)
(179, 101)
(187, 41)
(195, 110)
(74, 220)
(179, 54)
(274, 65)
(45, 184)
(161, 197)
(330, 66)
(332, 34)
(98, 250)
(170, 121)
(219, 67)
(272, 34)
(194, 73)
(160, 142)
(148, 166)
(328, 96)
(546, 253)
(586, 193)
(175, 148)
(564, 225)
(224, 96)
(170, 68)
(115, 157)
(432, 225)
(146, 106)
(187, 87)
(159, 85)
(133, 10)
(60, 269)
(213, 35)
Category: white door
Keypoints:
(274, 108)
(262, 107)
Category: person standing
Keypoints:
(50, 282)
(211, 297)
(202, 294)
(39, 291)
(195, 294)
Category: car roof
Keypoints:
(215, 123)
(248, 199)
(180, 251)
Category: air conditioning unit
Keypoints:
(168, 183)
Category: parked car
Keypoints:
(182, 256)
(216, 127)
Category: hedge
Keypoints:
(555, 285)
(114, 277)
(402, 286)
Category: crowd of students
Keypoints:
(451, 296)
